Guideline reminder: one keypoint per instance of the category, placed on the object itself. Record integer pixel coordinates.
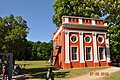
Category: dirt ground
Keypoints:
(96, 74)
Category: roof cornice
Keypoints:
(85, 26)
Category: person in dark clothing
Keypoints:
(5, 70)
(50, 74)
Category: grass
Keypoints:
(113, 76)
(38, 70)
(70, 73)
(32, 64)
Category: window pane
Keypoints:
(74, 53)
(87, 39)
(101, 53)
(88, 49)
(73, 56)
(87, 57)
(74, 38)
(74, 49)
(88, 53)
(100, 39)
(101, 49)
(101, 56)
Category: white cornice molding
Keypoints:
(59, 30)
(78, 31)
(85, 26)
(80, 17)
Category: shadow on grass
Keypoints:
(36, 70)
(41, 73)
(61, 74)
(56, 75)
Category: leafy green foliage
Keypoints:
(82, 8)
(13, 33)
(38, 50)
(113, 9)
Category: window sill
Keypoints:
(102, 60)
(74, 60)
(88, 60)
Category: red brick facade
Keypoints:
(81, 42)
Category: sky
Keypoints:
(37, 13)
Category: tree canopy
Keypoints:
(82, 8)
(113, 9)
(13, 33)
(37, 50)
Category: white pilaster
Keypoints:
(80, 21)
(93, 22)
(108, 50)
(95, 48)
(66, 20)
(81, 48)
(67, 60)
(105, 24)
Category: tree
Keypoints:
(113, 9)
(13, 34)
(28, 50)
(3, 30)
(40, 50)
(35, 51)
(82, 8)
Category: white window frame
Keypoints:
(90, 53)
(75, 36)
(76, 53)
(102, 38)
(90, 38)
(104, 58)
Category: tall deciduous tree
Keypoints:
(113, 9)
(82, 8)
(13, 33)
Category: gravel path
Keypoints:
(93, 75)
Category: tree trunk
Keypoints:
(117, 62)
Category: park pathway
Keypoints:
(93, 75)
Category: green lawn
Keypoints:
(113, 76)
(32, 64)
(38, 70)
(68, 73)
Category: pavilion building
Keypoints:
(81, 42)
